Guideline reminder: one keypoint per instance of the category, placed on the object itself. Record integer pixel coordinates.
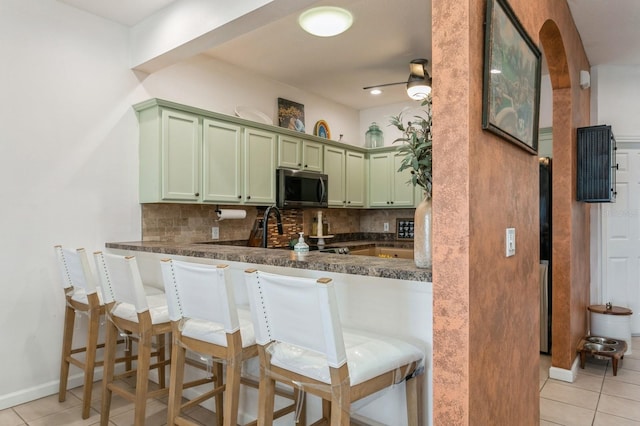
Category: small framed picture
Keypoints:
(404, 228)
(291, 115)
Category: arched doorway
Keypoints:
(569, 297)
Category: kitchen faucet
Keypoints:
(265, 222)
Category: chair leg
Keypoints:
(162, 369)
(219, 398)
(301, 401)
(414, 387)
(176, 382)
(142, 377)
(232, 391)
(326, 410)
(90, 360)
(110, 347)
(266, 397)
(67, 340)
(340, 396)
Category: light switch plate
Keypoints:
(215, 233)
(510, 241)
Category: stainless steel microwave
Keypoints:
(298, 188)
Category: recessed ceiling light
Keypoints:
(325, 21)
(375, 91)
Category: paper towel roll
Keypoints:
(231, 214)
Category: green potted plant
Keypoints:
(417, 150)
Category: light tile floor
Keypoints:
(595, 398)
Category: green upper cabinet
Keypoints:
(299, 154)
(355, 185)
(189, 155)
(169, 156)
(335, 169)
(345, 169)
(259, 166)
(388, 187)
(404, 193)
(222, 154)
(180, 156)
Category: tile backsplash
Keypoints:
(186, 223)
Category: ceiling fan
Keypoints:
(418, 83)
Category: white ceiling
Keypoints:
(385, 36)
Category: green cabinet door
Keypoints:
(180, 140)
(403, 190)
(355, 179)
(380, 179)
(334, 168)
(222, 162)
(312, 154)
(289, 152)
(259, 167)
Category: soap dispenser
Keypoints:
(301, 246)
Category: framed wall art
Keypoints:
(511, 89)
(291, 115)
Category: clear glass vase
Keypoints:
(422, 234)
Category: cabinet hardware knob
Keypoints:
(197, 194)
(300, 164)
(392, 202)
(239, 197)
(248, 197)
(305, 166)
(387, 202)
(348, 202)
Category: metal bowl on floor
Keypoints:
(597, 347)
(602, 340)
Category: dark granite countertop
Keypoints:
(403, 269)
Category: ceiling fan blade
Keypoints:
(383, 85)
(417, 68)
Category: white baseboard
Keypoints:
(565, 375)
(42, 390)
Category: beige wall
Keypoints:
(486, 312)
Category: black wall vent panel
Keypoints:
(596, 165)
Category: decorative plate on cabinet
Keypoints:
(321, 129)
(253, 114)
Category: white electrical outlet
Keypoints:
(510, 242)
(215, 233)
(386, 227)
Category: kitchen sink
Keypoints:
(384, 252)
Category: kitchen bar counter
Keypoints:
(403, 269)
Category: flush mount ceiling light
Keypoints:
(325, 21)
(418, 84)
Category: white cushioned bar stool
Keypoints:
(302, 343)
(130, 310)
(82, 296)
(206, 320)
